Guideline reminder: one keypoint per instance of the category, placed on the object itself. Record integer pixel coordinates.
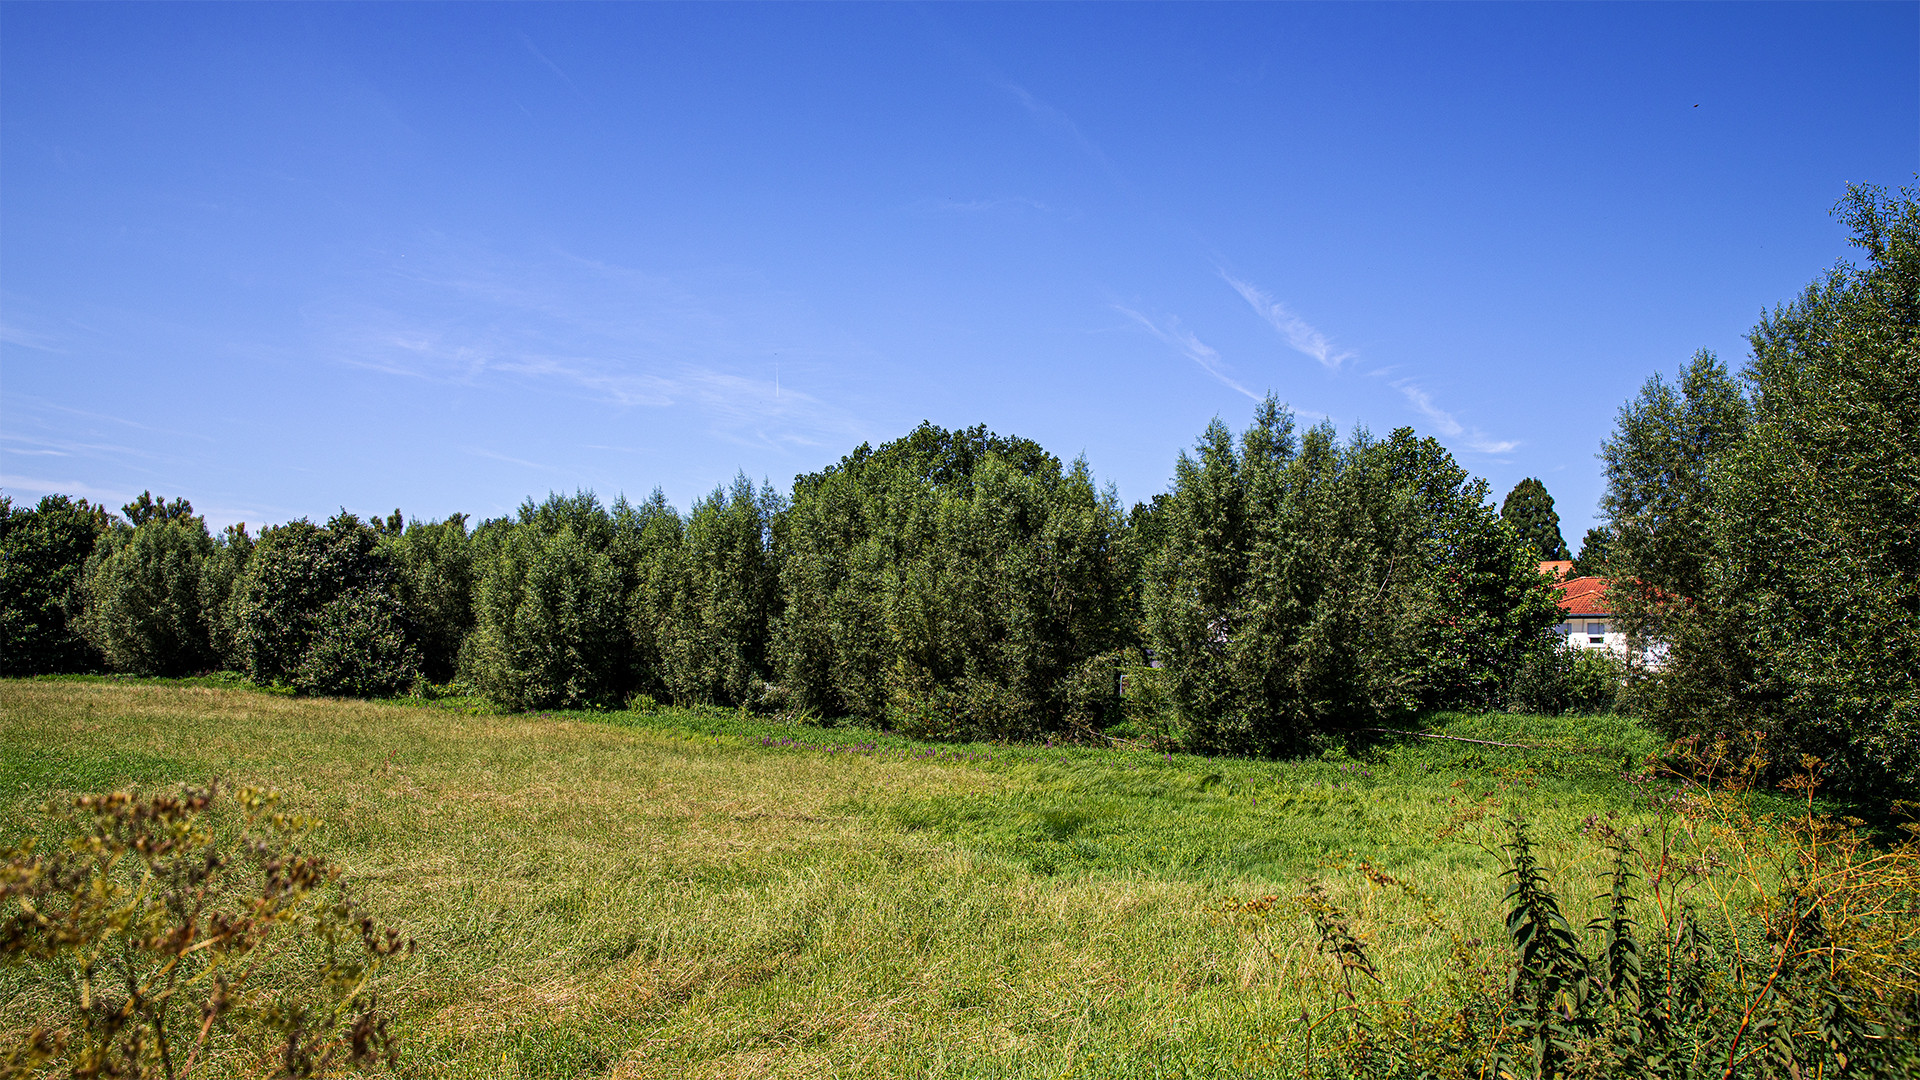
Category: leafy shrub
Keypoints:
(965, 709)
(305, 586)
(1561, 680)
(179, 953)
(1542, 683)
(1092, 691)
(1147, 710)
(42, 554)
(359, 649)
(145, 601)
(767, 699)
(1598, 676)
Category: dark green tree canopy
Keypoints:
(42, 554)
(316, 608)
(1529, 510)
(942, 459)
(147, 508)
(550, 604)
(1769, 540)
(433, 564)
(1307, 586)
(1657, 501)
(146, 607)
(1592, 559)
(1818, 529)
(711, 628)
(954, 581)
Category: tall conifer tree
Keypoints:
(1529, 509)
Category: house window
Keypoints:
(1563, 629)
(1597, 633)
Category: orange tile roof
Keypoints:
(1584, 596)
(1559, 568)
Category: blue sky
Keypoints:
(281, 259)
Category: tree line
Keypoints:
(949, 583)
(1762, 532)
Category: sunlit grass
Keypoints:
(689, 894)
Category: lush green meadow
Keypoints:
(710, 894)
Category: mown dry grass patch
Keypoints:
(645, 898)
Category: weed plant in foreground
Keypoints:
(1732, 944)
(149, 945)
(696, 893)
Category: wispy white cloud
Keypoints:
(979, 206)
(1423, 402)
(1303, 337)
(1476, 440)
(606, 333)
(551, 66)
(1300, 335)
(54, 443)
(1188, 346)
(42, 405)
(494, 455)
(1058, 121)
(28, 339)
(34, 487)
(1482, 445)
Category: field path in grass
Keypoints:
(688, 894)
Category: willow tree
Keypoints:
(1816, 536)
(147, 608)
(1308, 586)
(552, 596)
(955, 582)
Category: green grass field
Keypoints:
(688, 894)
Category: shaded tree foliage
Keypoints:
(220, 575)
(1528, 510)
(1307, 587)
(434, 582)
(43, 552)
(1140, 543)
(360, 647)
